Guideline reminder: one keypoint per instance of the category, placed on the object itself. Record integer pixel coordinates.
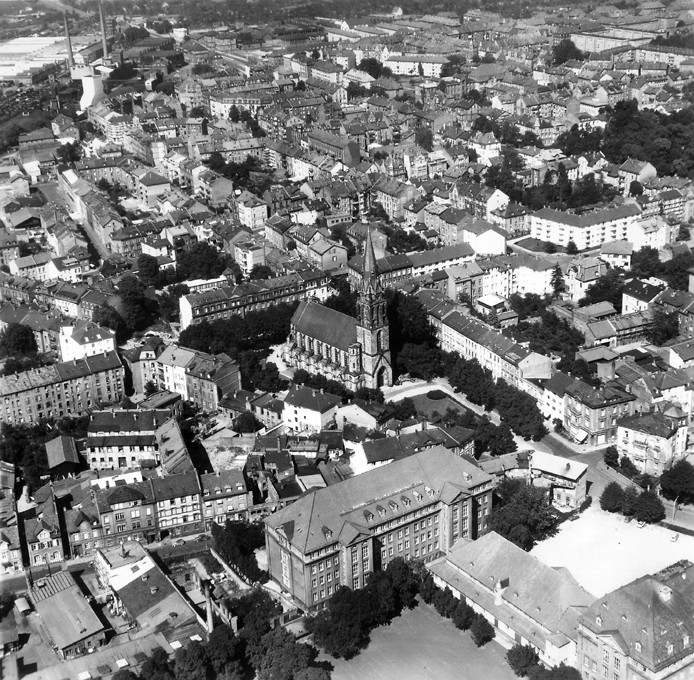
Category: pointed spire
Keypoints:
(370, 268)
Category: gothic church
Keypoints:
(355, 352)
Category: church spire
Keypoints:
(370, 273)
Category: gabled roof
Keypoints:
(324, 324)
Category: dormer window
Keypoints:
(685, 640)
(418, 496)
(368, 515)
(670, 649)
(327, 533)
(406, 501)
(598, 620)
(638, 646)
(393, 506)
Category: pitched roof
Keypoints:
(324, 324)
(339, 512)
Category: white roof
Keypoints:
(557, 465)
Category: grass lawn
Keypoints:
(421, 644)
(426, 406)
(603, 553)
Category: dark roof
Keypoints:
(60, 450)
(326, 325)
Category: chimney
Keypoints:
(104, 44)
(208, 602)
(70, 57)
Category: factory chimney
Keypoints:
(104, 44)
(70, 56)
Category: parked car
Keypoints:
(642, 525)
(405, 378)
(180, 541)
(674, 538)
(628, 519)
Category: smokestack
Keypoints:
(208, 602)
(70, 56)
(104, 44)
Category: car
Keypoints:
(180, 541)
(573, 518)
(674, 538)
(405, 378)
(202, 537)
(628, 519)
(642, 525)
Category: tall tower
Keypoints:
(104, 44)
(372, 323)
(68, 40)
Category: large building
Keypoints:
(65, 389)
(353, 351)
(228, 301)
(526, 601)
(412, 508)
(643, 630)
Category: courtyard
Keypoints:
(603, 552)
(421, 644)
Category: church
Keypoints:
(355, 352)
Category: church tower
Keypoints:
(372, 324)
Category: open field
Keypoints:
(421, 644)
(603, 552)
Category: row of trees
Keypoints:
(644, 506)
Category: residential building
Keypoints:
(592, 412)
(642, 630)
(309, 411)
(228, 301)
(68, 388)
(85, 339)
(588, 230)
(412, 508)
(178, 504)
(652, 441)
(225, 496)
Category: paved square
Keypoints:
(603, 552)
(421, 644)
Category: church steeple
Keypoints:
(372, 322)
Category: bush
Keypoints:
(445, 602)
(463, 615)
(482, 631)
(435, 395)
(522, 658)
(586, 503)
(611, 457)
(612, 497)
(627, 468)
(629, 499)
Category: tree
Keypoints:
(522, 658)
(150, 388)
(137, 308)
(557, 281)
(683, 233)
(635, 188)
(677, 483)
(550, 248)
(482, 631)
(525, 518)
(612, 497)
(236, 542)
(17, 340)
(247, 422)
(629, 499)
(126, 404)
(608, 288)
(571, 248)
(420, 69)
(260, 271)
(124, 674)
(645, 263)
(148, 269)
(611, 457)
(463, 615)
(665, 326)
(70, 152)
(649, 508)
(157, 666)
(191, 662)
(565, 51)
(627, 468)
(374, 68)
(424, 137)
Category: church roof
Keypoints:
(326, 325)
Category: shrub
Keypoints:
(586, 503)
(463, 615)
(482, 631)
(522, 658)
(435, 395)
(445, 602)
